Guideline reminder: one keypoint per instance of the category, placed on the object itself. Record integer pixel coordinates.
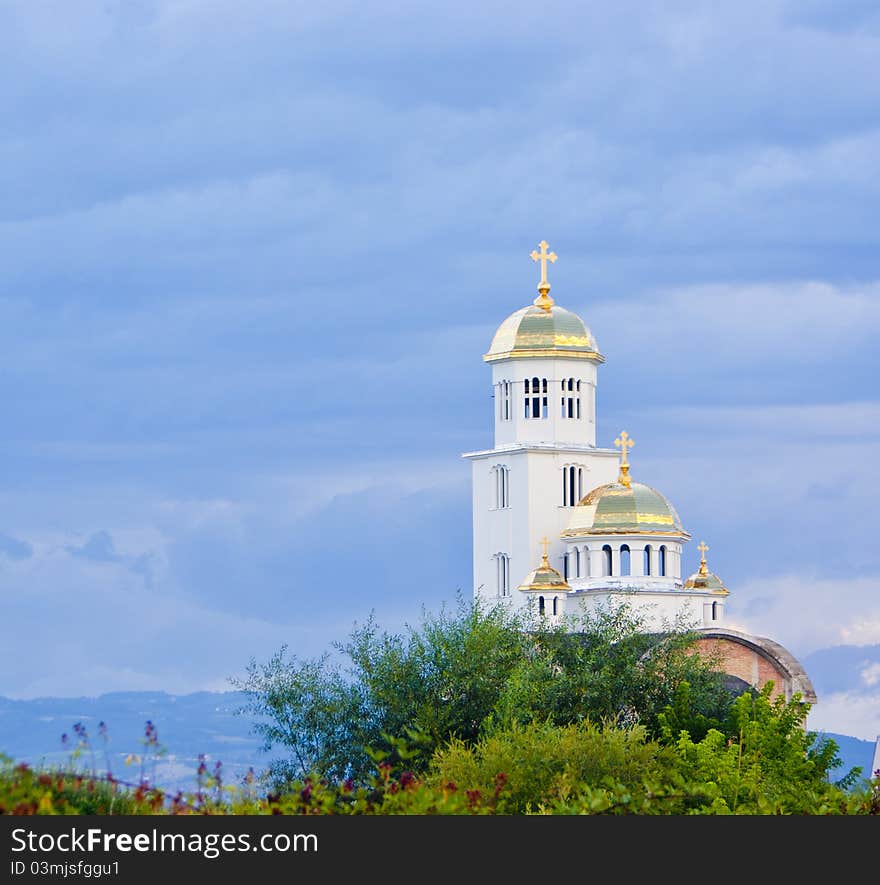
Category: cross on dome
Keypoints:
(623, 442)
(703, 547)
(545, 543)
(543, 300)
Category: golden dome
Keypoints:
(704, 579)
(625, 509)
(537, 331)
(545, 578)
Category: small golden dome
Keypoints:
(545, 578)
(703, 579)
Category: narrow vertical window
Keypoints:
(502, 567)
(625, 560)
(572, 485)
(577, 562)
(661, 564)
(536, 398)
(587, 567)
(540, 605)
(556, 599)
(504, 400)
(714, 611)
(571, 398)
(606, 561)
(646, 570)
(565, 565)
(501, 477)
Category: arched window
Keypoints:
(577, 562)
(571, 398)
(501, 482)
(504, 411)
(540, 605)
(606, 560)
(572, 484)
(714, 611)
(502, 574)
(662, 560)
(536, 397)
(625, 560)
(556, 599)
(565, 566)
(646, 562)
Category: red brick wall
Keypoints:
(745, 663)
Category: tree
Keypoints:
(460, 674)
(767, 762)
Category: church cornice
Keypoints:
(561, 448)
(545, 353)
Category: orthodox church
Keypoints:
(605, 535)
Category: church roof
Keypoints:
(545, 578)
(704, 579)
(541, 331)
(709, 582)
(625, 508)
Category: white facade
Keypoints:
(548, 463)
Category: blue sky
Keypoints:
(251, 255)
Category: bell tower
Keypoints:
(544, 363)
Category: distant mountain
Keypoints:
(205, 722)
(854, 752)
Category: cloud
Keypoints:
(253, 256)
(15, 549)
(871, 675)
(98, 548)
(862, 630)
(794, 610)
(852, 713)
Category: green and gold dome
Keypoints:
(625, 508)
(541, 332)
(545, 578)
(543, 328)
(704, 579)
(617, 509)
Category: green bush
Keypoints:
(530, 766)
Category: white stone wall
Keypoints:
(535, 508)
(554, 428)
(658, 607)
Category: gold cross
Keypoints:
(545, 542)
(543, 300)
(703, 547)
(623, 442)
(543, 256)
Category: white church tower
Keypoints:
(544, 371)
(545, 481)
